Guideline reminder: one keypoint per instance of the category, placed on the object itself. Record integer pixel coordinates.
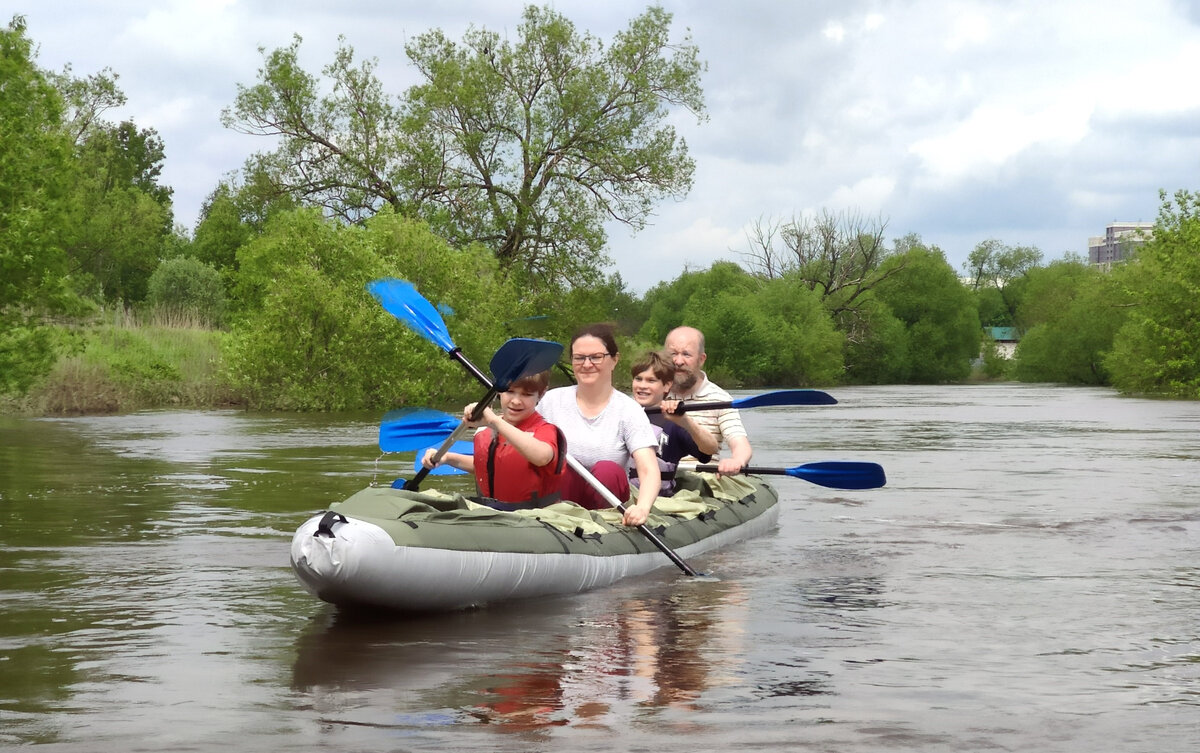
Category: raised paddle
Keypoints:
(765, 400)
(403, 301)
(836, 474)
(400, 299)
(517, 358)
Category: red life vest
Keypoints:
(503, 473)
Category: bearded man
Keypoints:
(685, 347)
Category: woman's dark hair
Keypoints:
(602, 332)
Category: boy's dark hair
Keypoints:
(538, 383)
(656, 361)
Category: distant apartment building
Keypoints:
(1118, 242)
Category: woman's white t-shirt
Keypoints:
(614, 434)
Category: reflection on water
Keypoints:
(1027, 580)
(530, 665)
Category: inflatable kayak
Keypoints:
(429, 551)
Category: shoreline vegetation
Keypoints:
(120, 365)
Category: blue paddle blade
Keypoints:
(411, 429)
(839, 474)
(400, 299)
(786, 397)
(463, 447)
(835, 474)
(521, 357)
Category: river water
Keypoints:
(1029, 580)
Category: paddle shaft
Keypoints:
(834, 474)
(611, 499)
(765, 400)
(684, 407)
(457, 355)
(712, 468)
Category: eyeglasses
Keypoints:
(593, 359)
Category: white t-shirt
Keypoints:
(621, 427)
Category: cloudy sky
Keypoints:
(1034, 122)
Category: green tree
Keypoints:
(120, 223)
(757, 332)
(526, 147)
(804, 346)
(1157, 350)
(938, 314)
(606, 301)
(995, 265)
(1070, 314)
(666, 303)
(876, 349)
(35, 177)
(220, 232)
(837, 255)
(117, 235)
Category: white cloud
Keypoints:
(834, 32)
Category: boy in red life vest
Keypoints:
(519, 456)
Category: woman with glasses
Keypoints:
(604, 428)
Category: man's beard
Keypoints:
(685, 381)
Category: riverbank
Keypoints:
(122, 367)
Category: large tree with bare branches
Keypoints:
(835, 254)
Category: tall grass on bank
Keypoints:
(130, 363)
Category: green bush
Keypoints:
(187, 288)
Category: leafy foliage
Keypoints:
(1070, 316)
(35, 177)
(119, 222)
(772, 332)
(938, 314)
(1157, 350)
(525, 147)
(998, 276)
(877, 346)
(308, 336)
(187, 288)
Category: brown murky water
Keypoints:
(1028, 580)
